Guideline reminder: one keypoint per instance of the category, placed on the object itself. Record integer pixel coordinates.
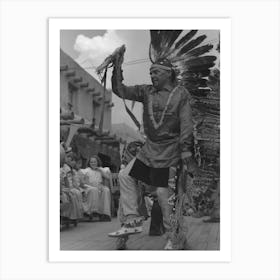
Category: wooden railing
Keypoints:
(115, 193)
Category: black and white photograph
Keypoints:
(140, 139)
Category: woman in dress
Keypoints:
(100, 199)
(89, 194)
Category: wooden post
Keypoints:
(103, 103)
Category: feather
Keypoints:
(196, 74)
(151, 55)
(164, 38)
(173, 37)
(199, 92)
(203, 60)
(201, 67)
(192, 44)
(196, 83)
(185, 39)
(168, 38)
(155, 40)
(200, 50)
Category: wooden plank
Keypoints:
(212, 239)
(94, 236)
(194, 237)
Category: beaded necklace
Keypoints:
(151, 111)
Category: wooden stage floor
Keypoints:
(93, 236)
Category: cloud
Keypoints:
(93, 51)
(96, 49)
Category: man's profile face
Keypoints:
(159, 77)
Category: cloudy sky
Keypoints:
(90, 47)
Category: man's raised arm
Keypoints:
(135, 93)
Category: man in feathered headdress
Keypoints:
(168, 126)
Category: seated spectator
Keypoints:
(100, 199)
(89, 194)
(68, 191)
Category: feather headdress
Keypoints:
(193, 65)
(188, 56)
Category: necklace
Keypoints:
(151, 111)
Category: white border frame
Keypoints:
(224, 254)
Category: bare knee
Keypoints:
(162, 192)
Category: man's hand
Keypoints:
(118, 59)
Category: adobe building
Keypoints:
(83, 91)
(81, 97)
